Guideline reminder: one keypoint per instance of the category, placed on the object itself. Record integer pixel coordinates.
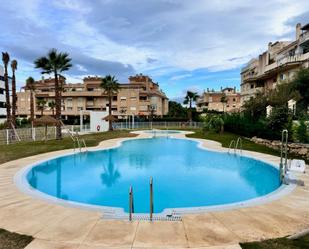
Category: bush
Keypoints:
(279, 120)
(213, 123)
(301, 131)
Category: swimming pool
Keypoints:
(184, 176)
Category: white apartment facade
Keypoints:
(2, 97)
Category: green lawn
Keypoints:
(25, 149)
(280, 243)
(227, 137)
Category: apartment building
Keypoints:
(225, 100)
(2, 97)
(277, 64)
(134, 98)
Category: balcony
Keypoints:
(304, 37)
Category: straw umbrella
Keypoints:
(110, 118)
(46, 120)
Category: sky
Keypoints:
(181, 44)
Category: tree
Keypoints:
(30, 85)
(176, 110)
(152, 110)
(41, 104)
(55, 63)
(111, 87)
(301, 84)
(6, 60)
(14, 96)
(52, 106)
(189, 99)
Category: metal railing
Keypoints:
(231, 144)
(237, 145)
(131, 203)
(283, 150)
(151, 199)
(154, 125)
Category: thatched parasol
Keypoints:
(110, 118)
(46, 120)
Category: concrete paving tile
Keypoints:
(242, 225)
(112, 233)
(160, 234)
(73, 228)
(44, 244)
(206, 230)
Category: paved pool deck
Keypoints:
(56, 226)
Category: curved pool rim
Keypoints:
(20, 180)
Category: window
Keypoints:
(234, 99)
(115, 98)
(79, 108)
(143, 98)
(133, 108)
(1, 91)
(143, 108)
(123, 98)
(69, 108)
(252, 86)
(282, 76)
(133, 98)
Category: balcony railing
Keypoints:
(304, 37)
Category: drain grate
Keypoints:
(141, 217)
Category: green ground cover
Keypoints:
(25, 149)
(280, 243)
(10, 240)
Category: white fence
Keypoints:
(154, 125)
(9, 136)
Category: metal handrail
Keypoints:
(239, 142)
(284, 146)
(231, 144)
(151, 198)
(131, 203)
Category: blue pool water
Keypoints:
(183, 175)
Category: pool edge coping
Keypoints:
(23, 185)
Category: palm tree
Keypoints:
(55, 63)
(6, 60)
(30, 85)
(14, 96)
(52, 106)
(41, 104)
(189, 99)
(111, 87)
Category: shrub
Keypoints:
(213, 123)
(301, 131)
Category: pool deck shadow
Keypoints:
(56, 226)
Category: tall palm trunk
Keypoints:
(190, 111)
(31, 107)
(14, 97)
(110, 127)
(7, 95)
(58, 105)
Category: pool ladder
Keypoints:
(79, 142)
(237, 145)
(131, 201)
(283, 150)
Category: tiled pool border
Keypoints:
(23, 185)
